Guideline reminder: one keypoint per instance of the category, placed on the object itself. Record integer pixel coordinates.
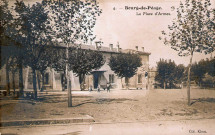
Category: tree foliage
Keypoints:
(197, 71)
(33, 35)
(211, 67)
(36, 26)
(179, 73)
(33, 31)
(193, 30)
(6, 19)
(59, 58)
(125, 65)
(169, 73)
(201, 68)
(73, 21)
(82, 62)
(7, 42)
(208, 81)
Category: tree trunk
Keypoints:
(164, 85)
(26, 78)
(127, 87)
(67, 76)
(81, 81)
(34, 83)
(7, 79)
(43, 80)
(20, 80)
(170, 85)
(121, 83)
(188, 79)
(13, 79)
(63, 81)
(38, 81)
(200, 82)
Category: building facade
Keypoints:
(151, 75)
(53, 79)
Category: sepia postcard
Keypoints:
(107, 67)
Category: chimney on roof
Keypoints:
(97, 45)
(111, 47)
(136, 48)
(143, 49)
(118, 49)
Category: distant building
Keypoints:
(97, 77)
(151, 75)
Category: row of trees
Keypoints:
(203, 73)
(30, 34)
(30, 38)
(170, 75)
(80, 61)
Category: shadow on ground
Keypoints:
(57, 98)
(73, 133)
(210, 100)
(9, 134)
(105, 101)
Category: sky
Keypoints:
(130, 30)
(119, 24)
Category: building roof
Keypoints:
(104, 49)
(134, 51)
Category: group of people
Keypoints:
(99, 88)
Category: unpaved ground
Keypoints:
(183, 127)
(116, 106)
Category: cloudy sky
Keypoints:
(117, 24)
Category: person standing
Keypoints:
(98, 88)
(90, 88)
(108, 87)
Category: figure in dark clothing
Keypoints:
(108, 87)
(90, 88)
(98, 88)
